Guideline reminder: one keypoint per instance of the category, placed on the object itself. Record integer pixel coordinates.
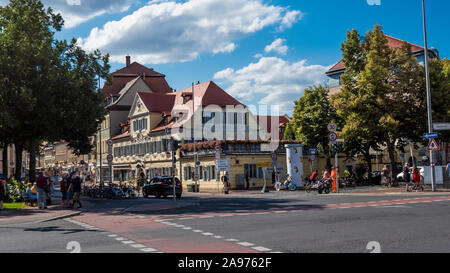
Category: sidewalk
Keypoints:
(35, 215)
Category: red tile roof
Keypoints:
(156, 102)
(210, 93)
(121, 136)
(392, 43)
(283, 120)
(136, 69)
(154, 80)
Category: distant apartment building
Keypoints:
(145, 142)
(336, 71)
(120, 94)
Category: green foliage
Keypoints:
(48, 87)
(383, 98)
(15, 190)
(312, 114)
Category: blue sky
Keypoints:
(229, 41)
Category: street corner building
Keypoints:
(155, 130)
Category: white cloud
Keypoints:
(76, 12)
(169, 31)
(277, 46)
(272, 80)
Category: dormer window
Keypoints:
(140, 124)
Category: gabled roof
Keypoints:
(210, 93)
(137, 69)
(154, 80)
(156, 102)
(392, 42)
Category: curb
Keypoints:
(61, 217)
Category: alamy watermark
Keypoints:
(232, 122)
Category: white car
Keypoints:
(401, 178)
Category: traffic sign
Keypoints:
(110, 143)
(274, 157)
(432, 146)
(332, 127)
(312, 157)
(223, 164)
(430, 135)
(332, 136)
(443, 126)
(218, 148)
(312, 151)
(217, 155)
(264, 165)
(110, 157)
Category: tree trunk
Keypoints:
(19, 150)
(368, 159)
(5, 160)
(391, 151)
(32, 172)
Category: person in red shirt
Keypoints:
(41, 184)
(314, 175)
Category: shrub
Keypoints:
(15, 191)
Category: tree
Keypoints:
(48, 86)
(312, 114)
(382, 98)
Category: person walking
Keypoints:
(68, 190)
(406, 173)
(63, 189)
(2, 190)
(448, 168)
(225, 182)
(41, 184)
(387, 175)
(247, 181)
(75, 186)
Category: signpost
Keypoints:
(443, 126)
(264, 166)
(432, 146)
(332, 136)
(430, 135)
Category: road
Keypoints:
(275, 222)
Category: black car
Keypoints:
(162, 186)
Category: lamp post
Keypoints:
(430, 117)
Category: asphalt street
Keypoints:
(274, 222)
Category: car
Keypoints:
(400, 177)
(161, 186)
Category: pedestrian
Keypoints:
(334, 179)
(41, 184)
(387, 176)
(2, 190)
(75, 186)
(63, 189)
(247, 181)
(141, 182)
(68, 190)
(225, 182)
(48, 188)
(406, 173)
(448, 168)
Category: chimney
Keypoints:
(128, 60)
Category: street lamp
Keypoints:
(430, 117)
